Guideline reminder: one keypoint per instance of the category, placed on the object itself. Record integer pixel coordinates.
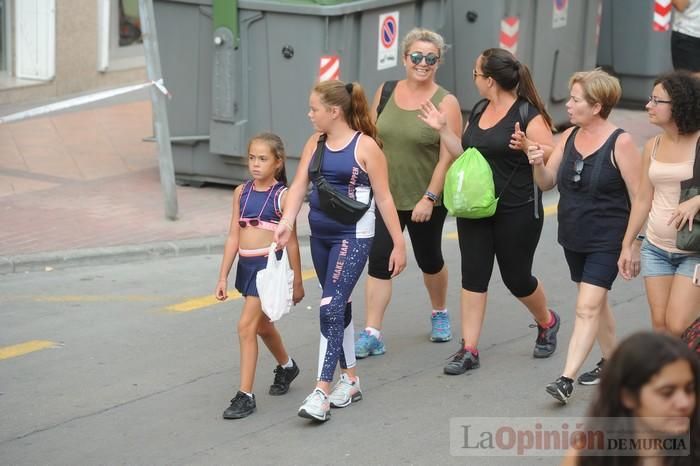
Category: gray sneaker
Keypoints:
(316, 407)
(546, 338)
(345, 392)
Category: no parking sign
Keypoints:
(387, 43)
(559, 13)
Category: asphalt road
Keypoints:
(137, 366)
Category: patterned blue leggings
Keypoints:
(339, 264)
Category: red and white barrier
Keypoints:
(510, 32)
(329, 68)
(662, 16)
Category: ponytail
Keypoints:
(360, 118)
(528, 91)
(351, 99)
(509, 73)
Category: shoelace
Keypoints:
(239, 396)
(364, 338)
(441, 322)
(459, 354)
(541, 331)
(280, 376)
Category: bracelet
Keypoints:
(286, 223)
(431, 196)
(640, 237)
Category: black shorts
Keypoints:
(685, 52)
(426, 240)
(594, 268)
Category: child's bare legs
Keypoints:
(273, 340)
(248, 340)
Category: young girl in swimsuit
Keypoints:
(257, 208)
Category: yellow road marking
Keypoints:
(13, 351)
(548, 210)
(210, 300)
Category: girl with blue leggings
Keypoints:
(353, 164)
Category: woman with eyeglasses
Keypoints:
(596, 167)
(417, 164)
(669, 158)
(501, 126)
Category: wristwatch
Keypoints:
(431, 196)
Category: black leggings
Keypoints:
(511, 237)
(426, 239)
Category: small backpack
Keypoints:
(469, 190)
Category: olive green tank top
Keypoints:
(412, 150)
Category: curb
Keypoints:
(110, 255)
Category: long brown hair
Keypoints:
(636, 360)
(502, 66)
(352, 101)
(276, 146)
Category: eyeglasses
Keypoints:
(654, 101)
(476, 73)
(578, 168)
(417, 57)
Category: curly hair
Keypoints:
(684, 90)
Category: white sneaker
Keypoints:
(345, 392)
(316, 406)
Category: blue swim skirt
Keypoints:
(247, 271)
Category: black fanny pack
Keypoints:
(335, 204)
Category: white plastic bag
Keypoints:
(275, 283)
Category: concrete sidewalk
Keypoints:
(83, 188)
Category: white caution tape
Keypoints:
(82, 100)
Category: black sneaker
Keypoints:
(561, 389)
(546, 338)
(283, 377)
(242, 405)
(462, 361)
(592, 377)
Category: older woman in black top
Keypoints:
(597, 168)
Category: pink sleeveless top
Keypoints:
(666, 178)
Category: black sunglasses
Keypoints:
(578, 168)
(417, 57)
(253, 222)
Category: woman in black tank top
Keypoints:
(501, 126)
(597, 168)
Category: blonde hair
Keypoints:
(276, 146)
(423, 35)
(598, 88)
(352, 101)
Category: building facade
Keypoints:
(55, 48)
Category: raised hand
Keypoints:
(431, 116)
(518, 140)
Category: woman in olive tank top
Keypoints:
(417, 163)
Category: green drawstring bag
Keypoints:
(469, 190)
